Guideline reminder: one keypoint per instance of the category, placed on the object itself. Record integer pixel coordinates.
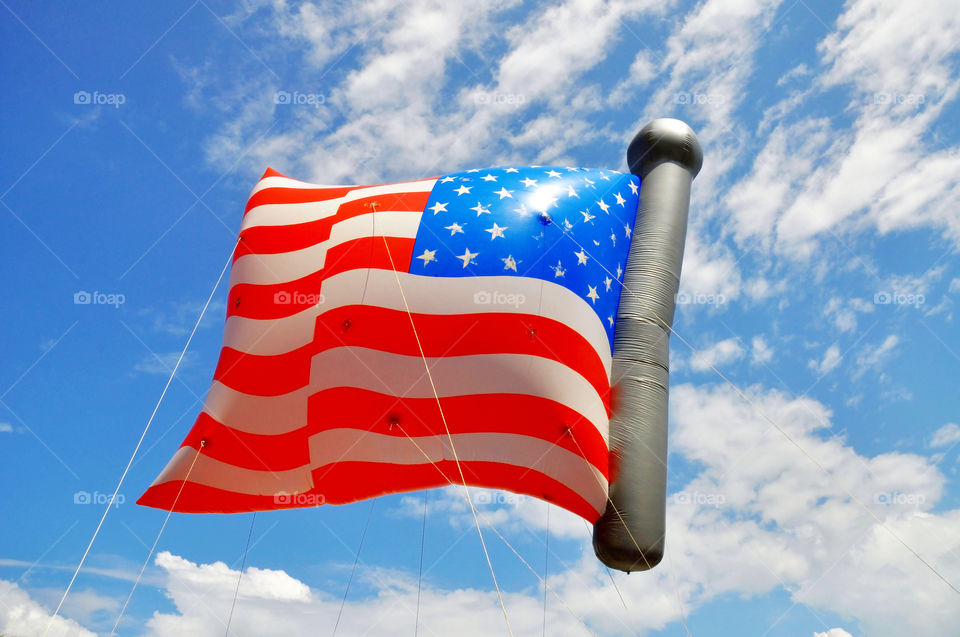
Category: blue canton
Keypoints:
(571, 226)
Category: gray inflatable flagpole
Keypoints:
(666, 155)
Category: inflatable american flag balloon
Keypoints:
(395, 337)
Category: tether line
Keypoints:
(143, 435)
(770, 420)
(157, 539)
(498, 534)
(356, 559)
(243, 563)
(423, 536)
(546, 564)
(446, 428)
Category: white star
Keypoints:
(582, 257)
(428, 256)
(587, 216)
(558, 270)
(522, 210)
(603, 206)
(503, 192)
(633, 187)
(510, 170)
(626, 230)
(610, 318)
(480, 210)
(462, 190)
(596, 243)
(529, 183)
(572, 168)
(489, 177)
(607, 282)
(619, 271)
(589, 183)
(620, 200)
(613, 238)
(509, 263)
(553, 173)
(567, 224)
(571, 192)
(467, 257)
(446, 179)
(474, 170)
(496, 231)
(454, 228)
(603, 176)
(438, 207)
(592, 294)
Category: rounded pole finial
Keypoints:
(665, 139)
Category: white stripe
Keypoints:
(564, 466)
(270, 269)
(400, 375)
(294, 213)
(222, 475)
(405, 376)
(287, 182)
(355, 445)
(425, 295)
(265, 415)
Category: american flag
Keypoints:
(503, 282)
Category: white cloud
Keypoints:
(179, 318)
(759, 517)
(553, 49)
(833, 632)
(273, 603)
(761, 353)
(831, 358)
(508, 512)
(21, 615)
(946, 435)
(883, 46)
(784, 521)
(6, 427)
(781, 166)
(815, 176)
(440, 84)
(710, 274)
(85, 606)
(163, 364)
(843, 312)
(720, 353)
(872, 357)
(801, 70)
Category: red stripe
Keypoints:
(265, 301)
(446, 335)
(281, 195)
(270, 172)
(352, 481)
(389, 330)
(348, 407)
(287, 238)
(265, 375)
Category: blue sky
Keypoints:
(820, 278)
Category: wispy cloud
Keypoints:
(945, 436)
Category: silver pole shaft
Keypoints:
(630, 534)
